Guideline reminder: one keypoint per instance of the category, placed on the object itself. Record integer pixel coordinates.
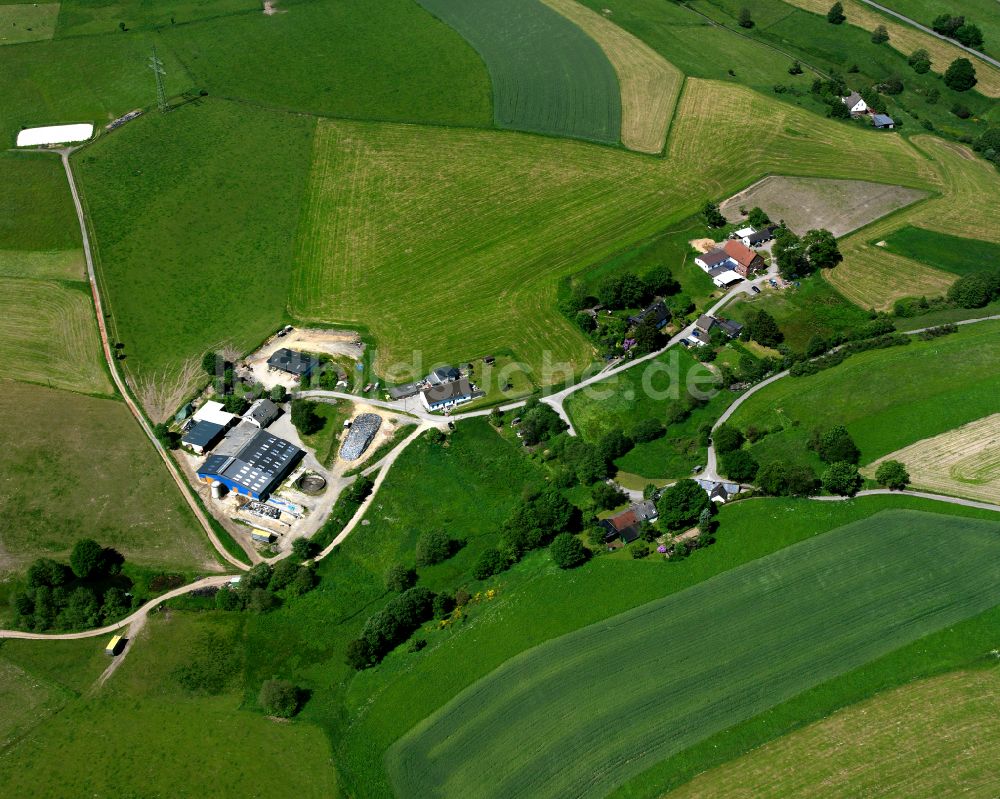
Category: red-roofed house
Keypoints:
(747, 261)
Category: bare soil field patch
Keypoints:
(840, 206)
(649, 85)
(346, 343)
(963, 462)
(702, 245)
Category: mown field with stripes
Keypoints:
(874, 277)
(933, 739)
(451, 242)
(625, 693)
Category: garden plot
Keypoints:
(840, 206)
(964, 462)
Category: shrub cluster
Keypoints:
(390, 626)
(88, 592)
(261, 589)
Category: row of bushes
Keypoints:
(811, 367)
(262, 588)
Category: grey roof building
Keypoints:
(658, 311)
(404, 391)
(729, 327)
(883, 121)
(203, 436)
(443, 374)
(447, 394)
(250, 461)
(262, 413)
(295, 363)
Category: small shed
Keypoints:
(203, 436)
(883, 121)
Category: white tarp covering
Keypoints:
(54, 134)
(726, 278)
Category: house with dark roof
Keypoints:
(704, 324)
(883, 121)
(250, 461)
(447, 395)
(262, 413)
(856, 105)
(624, 527)
(658, 311)
(203, 436)
(729, 327)
(295, 363)
(747, 261)
(758, 237)
(711, 259)
(645, 511)
(404, 391)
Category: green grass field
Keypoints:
(911, 742)
(766, 632)
(382, 224)
(343, 58)
(548, 75)
(27, 22)
(645, 392)
(886, 398)
(195, 214)
(148, 736)
(76, 467)
(814, 308)
(950, 253)
(82, 17)
(36, 210)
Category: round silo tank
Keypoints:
(216, 489)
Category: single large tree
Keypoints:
(821, 249)
(279, 698)
(681, 504)
(85, 559)
(960, 75)
(892, 475)
(567, 551)
(836, 14)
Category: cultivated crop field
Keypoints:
(763, 633)
(887, 398)
(75, 466)
(649, 85)
(839, 206)
(874, 277)
(548, 75)
(932, 739)
(964, 462)
(905, 38)
(940, 250)
(386, 245)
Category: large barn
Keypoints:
(250, 461)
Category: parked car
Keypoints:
(756, 289)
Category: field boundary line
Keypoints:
(120, 383)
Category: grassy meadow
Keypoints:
(194, 215)
(982, 12)
(953, 254)
(645, 392)
(548, 75)
(910, 742)
(649, 86)
(148, 735)
(382, 200)
(767, 631)
(82, 17)
(905, 38)
(27, 22)
(75, 467)
(342, 58)
(886, 398)
(813, 308)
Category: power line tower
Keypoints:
(157, 66)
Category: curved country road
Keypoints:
(207, 582)
(122, 388)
